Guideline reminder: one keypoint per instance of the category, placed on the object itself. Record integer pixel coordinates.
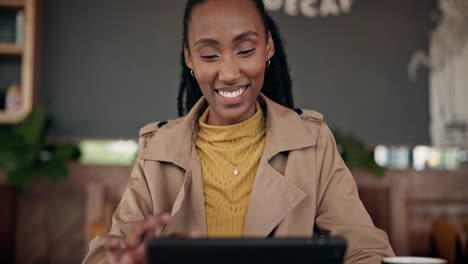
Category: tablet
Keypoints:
(240, 251)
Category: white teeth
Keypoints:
(232, 94)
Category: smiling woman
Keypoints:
(228, 58)
(239, 162)
(244, 51)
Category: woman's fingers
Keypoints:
(113, 250)
(191, 235)
(134, 252)
(147, 230)
(194, 235)
(137, 255)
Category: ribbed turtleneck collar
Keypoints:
(240, 131)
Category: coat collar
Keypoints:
(285, 131)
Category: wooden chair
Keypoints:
(449, 241)
(100, 205)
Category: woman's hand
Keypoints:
(135, 250)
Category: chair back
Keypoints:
(449, 241)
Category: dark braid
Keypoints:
(277, 83)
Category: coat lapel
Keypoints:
(273, 197)
(188, 211)
(179, 212)
(196, 194)
(173, 143)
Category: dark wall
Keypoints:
(111, 66)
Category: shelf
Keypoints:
(10, 50)
(27, 55)
(12, 3)
(12, 118)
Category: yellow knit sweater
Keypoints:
(226, 194)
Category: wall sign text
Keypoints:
(310, 8)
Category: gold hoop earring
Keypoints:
(191, 72)
(268, 63)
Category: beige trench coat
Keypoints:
(302, 186)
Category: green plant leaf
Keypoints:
(27, 156)
(15, 158)
(356, 155)
(23, 152)
(54, 171)
(32, 128)
(377, 170)
(64, 152)
(9, 140)
(18, 178)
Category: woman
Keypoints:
(241, 162)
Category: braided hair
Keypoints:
(277, 83)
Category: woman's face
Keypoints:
(228, 49)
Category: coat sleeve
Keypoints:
(340, 212)
(134, 206)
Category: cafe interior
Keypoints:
(78, 79)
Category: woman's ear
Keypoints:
(270, 46)
(188, 58)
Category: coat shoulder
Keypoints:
(313, 120)
(310, 116)
(150, 130)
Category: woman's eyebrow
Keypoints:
(206, 41)
(236, 38)
(244, 35)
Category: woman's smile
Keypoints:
(232, 95)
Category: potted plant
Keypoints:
(25, 154)
(356, 154)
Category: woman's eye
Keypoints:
(245, 52)
(209, 57)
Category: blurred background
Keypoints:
(79, 78)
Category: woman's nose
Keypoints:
(228, 71)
